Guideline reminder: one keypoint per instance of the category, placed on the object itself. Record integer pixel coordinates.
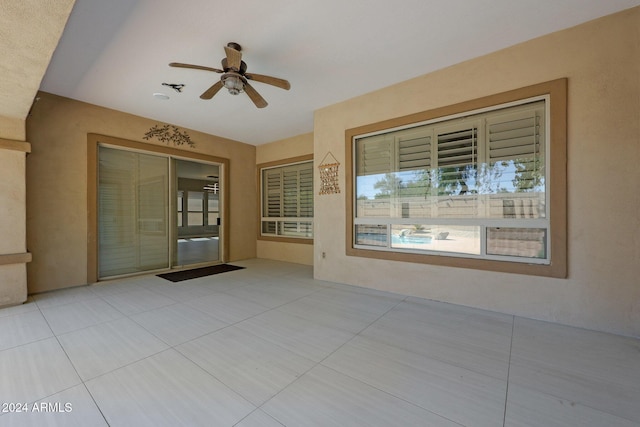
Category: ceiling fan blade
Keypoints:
(208, 94)
(196, 67)
(255, 96)
(234, 58)
(274, 81)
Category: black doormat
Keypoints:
(179, 276)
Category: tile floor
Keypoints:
(270, 346)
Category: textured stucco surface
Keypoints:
(57, 224)
(601, 60)
(29, 33)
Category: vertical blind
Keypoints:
(133, 234)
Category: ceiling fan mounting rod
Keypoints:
(234, 45)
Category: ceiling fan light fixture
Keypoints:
(233, 83)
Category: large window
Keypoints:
(287, 200)
(473, 185)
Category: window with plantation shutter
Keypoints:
(470, 186)
(287, 200)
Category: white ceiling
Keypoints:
(115, 53)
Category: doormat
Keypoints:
(179, 276)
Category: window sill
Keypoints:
(472, 263)
(303, 241)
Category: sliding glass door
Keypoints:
(155, 212)
(133, 211)
(198, 213)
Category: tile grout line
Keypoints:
(371, 385)
(169, 346)
(123, 315)
(175, 348)
(268, 309)
(82, 381)
(254, 411)
(329, 355)
(506, 392)
(53, 335)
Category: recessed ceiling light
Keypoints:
(159, 95)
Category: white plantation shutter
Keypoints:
(288, 193)
(291, 197)
(414, 153)
(306, 191)
(273, 192)
(515, 143)
(457, 161)
(458, 148)
(409, 151)
(457, 153)
(374, 156)
(272, 197)
(516, 136)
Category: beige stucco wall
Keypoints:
(30, 32)
(12, 201)
(57, 182)
(601, 60)
(11, 128)
(299, 145)
(13, 278)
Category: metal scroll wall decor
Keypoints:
(169, 134)
(329, 175)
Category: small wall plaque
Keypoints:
(329, 175)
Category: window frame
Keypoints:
(556, 93)
(200, 211)
(272, 165)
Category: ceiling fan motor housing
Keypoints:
(225, 66)
(234, 82)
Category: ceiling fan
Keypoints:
(235, 77)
